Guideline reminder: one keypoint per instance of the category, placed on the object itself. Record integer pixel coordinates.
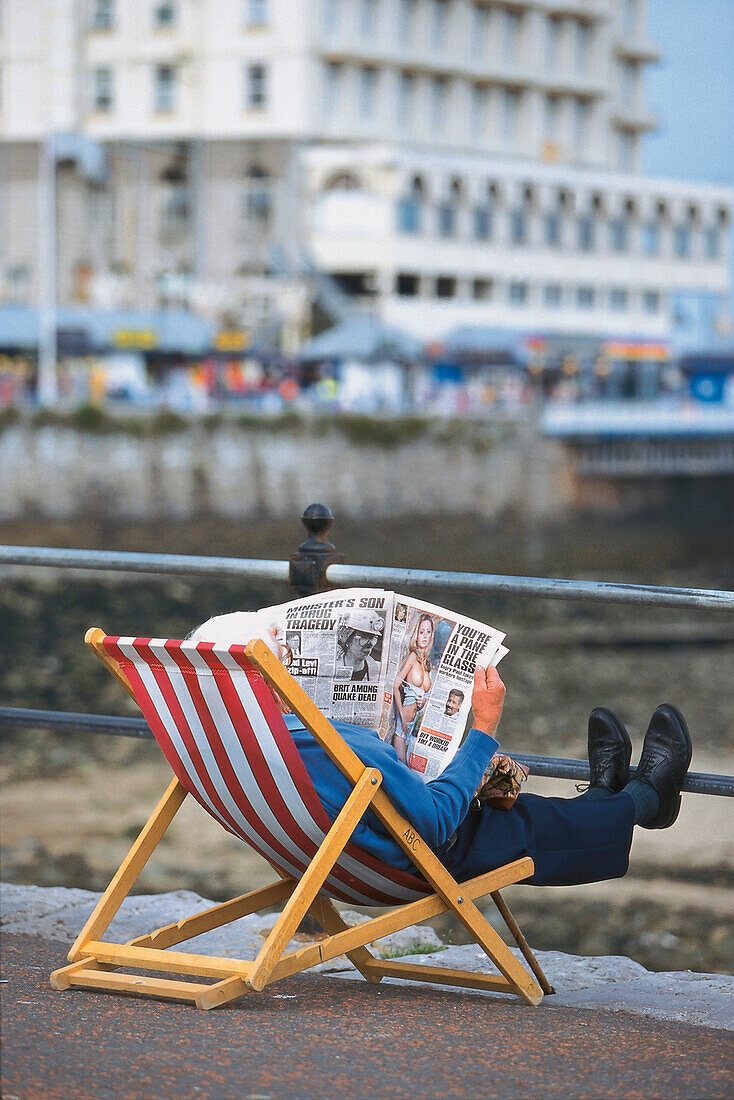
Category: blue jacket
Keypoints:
(434, 809)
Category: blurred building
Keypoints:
(441, 163)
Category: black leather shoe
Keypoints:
(666, 756)
(610, 750)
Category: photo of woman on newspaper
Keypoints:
(412, 684)
(357, 637)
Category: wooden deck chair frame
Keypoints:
(96, 965)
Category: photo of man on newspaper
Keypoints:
(453, 702)
(359, 636)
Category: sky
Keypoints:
(691, 91)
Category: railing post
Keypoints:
(307, 573)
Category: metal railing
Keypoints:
(119, 561)
(555, 767)
(318, 566)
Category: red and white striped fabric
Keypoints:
(218, 725)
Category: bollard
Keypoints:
(307, 572)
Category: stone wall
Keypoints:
(233, 471)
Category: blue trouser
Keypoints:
(570, 840)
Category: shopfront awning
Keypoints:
(86, 331)
(363, 338)
(480, 343)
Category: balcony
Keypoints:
(637, 49)
(580, 9)
(632, 118)
(492, 69)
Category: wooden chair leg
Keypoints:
(313, 878)
(395, 920)
(218, 915)
(130, 868)
(475, 922)
(521, 942)
(222, 993)
(329, 918)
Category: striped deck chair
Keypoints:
(215, 719)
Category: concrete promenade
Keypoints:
(318, 1037)
(613, 1029)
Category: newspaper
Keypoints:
(397, 665)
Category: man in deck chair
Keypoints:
(570, 840)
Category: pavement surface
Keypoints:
(318, 1036)
(610, 982)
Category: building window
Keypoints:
(406, 99)
(552, 114)
(407, 286)
(174, 288)
(409, 215)
(410, 208)
(103, 91)
(618, 235)
(511, 35)
(479, 24)
(482, 218)
(331, 16)
(552, 229)
(164, 14)
(518, 227)
(448, 210)
(445, 286)
(510, 112)
(103, 15)
(618, 300)
(711, 240)
(258, 199)
(439, 96)
(585, 297)
(19, 282)
(175, 213)
(629, 84)
(165, 87)
(367, 91)
(342, 181)
(368, 18)
(332, 80)
(585, 233)
(256, 86)
(582, 111)
(406, 22)
(682, 241)
(478, 111)
(584, 40)
(651, 301)
(517, 293)
(439, 22)
(650, 239)
(629, 18)
(552, 295)
(552, 41)
(256, 13)
(446, 218)
(481, 290)
(627, 149)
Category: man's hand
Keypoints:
(487, 698)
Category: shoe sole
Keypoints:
(614, 721)
(673, 712)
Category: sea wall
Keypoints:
(143, 470)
